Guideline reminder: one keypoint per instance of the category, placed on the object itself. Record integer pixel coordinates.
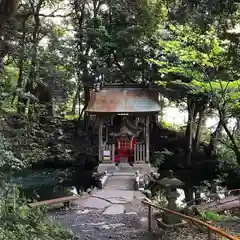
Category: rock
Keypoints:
(95, 203)
(110, 226)
(131, 213)
(114, 210)
(115, 196)
(85, 211)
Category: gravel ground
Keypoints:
(91, 224)
(130, 225)
(232, 227)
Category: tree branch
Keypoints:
(7, 10)
(120, 67)
(55, 15)
(224, 143)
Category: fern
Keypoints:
(160, 156)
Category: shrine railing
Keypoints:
(139, 153)
(210, 229)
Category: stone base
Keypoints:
(103, 181)
(163, 225)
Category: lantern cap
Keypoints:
(170, 181)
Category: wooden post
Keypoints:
(149, 218)
(210, 235)
(147, 138)
(100, 133)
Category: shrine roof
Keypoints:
(124, 99)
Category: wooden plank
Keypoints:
(138, 152)
(135, 151)
(144, 154)
(149, 218)
(113, 152)
(110, 149)
(147, 138)
(100, 133)
(54, 201)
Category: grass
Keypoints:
(71, 116)
(215, 217)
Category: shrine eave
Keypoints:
(120, 99)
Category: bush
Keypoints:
(8, 162)
(17, 221)
(173, 127)
(159, 157)
(226, 158)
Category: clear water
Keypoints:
(41, 184)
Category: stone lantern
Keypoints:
(170, 184)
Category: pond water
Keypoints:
(204, 195)
(41, 184)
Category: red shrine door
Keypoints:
(125, 148)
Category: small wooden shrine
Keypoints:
(122, 114)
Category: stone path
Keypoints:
(115, 221)
(114, 212)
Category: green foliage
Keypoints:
(16, 220)
(203, 60)
(199, 67)
(7, 84)
(205, 135)
(159, 157)
(8, 162)
(215, 217)
(19, 222)
(227, 158)
(172, 126)
(71, 117)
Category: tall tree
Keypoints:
(203, 66)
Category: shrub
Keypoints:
(160, 156)
(17, 221)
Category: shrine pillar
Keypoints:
(147, 138)
(100, 143)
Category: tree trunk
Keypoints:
(32, 73)
(199, 128)
(162, 104)
(188, 191)
(189, 130)
(44, 95)
(235, 147)
(211, 148)
(7, 10)
(76, 100)
(20, 106)
(86, 101)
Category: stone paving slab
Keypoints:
(114, 196)
(120, 183)
(95, 203)
(114, 210)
